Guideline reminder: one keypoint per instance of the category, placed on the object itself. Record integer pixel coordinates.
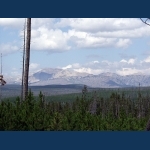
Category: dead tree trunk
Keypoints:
(24, 46)
(27, 58)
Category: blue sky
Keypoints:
(92, 45)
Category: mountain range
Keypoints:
(52, 76)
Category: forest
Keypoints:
(116, 112)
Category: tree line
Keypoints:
(116, 113)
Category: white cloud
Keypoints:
(51, 40)
(92, 63)
(67, 67)
(12, 22)
(76, 65)
(104, 32)
(100, 24)
(106, 62)
(94, 42)
(14, 73)
(134, 33)
(123, 43)
(43, 22)
(147, 59)
(89, 70)
(19, 22)
(47, 34)
(57, 35)
(33, 67)
(122, 67)
(128, 71)
(8, 48)
(130, 61)
(123, 61)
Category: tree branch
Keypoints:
(145, 21)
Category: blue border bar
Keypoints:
(74, 140)
(78, 8)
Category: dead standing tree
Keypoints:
(27, 59)
(24, 46)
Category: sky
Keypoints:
(91, 45)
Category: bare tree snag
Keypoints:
(27, 58)
(24, 46)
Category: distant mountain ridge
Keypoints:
(51, 76)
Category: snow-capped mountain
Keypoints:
(51, 76)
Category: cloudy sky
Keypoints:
(92, 45)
